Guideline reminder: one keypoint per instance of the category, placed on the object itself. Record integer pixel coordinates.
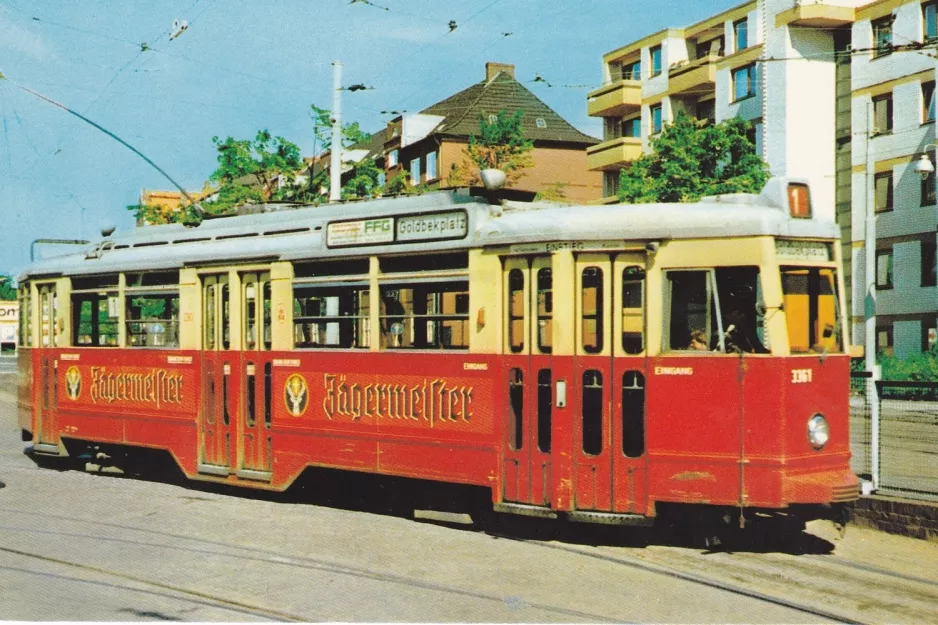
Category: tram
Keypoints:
(596, 363)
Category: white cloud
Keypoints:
(23, 41)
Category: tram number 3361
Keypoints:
(800, 376)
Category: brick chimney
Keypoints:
(492, 69)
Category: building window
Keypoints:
(929, 274)
(431, 166)
(393, 158)
(882, 36)
(928, 185)
(655, 54)
(540, 122)
(744, 82)
(883, 191)
(610, 183)
(493, 119)
(655, 112)
(928, 101)
(884, 345)
(930, 21)
(882, 114)
(741, 34)
(884, 269)
(632, 127)
(415, 171)
(707, 110)
(929, 334)
(632, 71)
(713, 47)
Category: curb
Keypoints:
(896, 515)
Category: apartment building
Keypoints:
(813, 77)
(893, 119)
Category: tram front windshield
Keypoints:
(810, 304)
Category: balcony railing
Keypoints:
(613, 154)
(687, 75)
(817, 13)
(615, 100)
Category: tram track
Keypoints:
(850, 591)
(177, 592)
(698, 580)
(755, 574)
(257, 555)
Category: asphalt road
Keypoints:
(80, 545)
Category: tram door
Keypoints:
(46, 429)
(609, 370)
(254, 377)
(215, 418)
(528, 335)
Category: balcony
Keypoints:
(615, 100)
(613, 154)
(816, 14)
(693, 75)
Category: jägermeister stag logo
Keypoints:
(73, 383)
(296, 395)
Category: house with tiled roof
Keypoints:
(431, 145)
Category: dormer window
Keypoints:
(540, 122)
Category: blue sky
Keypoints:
(244, 65)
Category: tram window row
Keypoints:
(422, 303)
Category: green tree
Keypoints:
(364, 177)
(364, 182)
(155, 214)
(501, 144)
(7, 288)
(693, 158)
(247, 169)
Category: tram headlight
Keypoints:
(819, 431)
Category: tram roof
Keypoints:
(299, 233)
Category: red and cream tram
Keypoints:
(597, 363)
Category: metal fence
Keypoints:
(908, 435)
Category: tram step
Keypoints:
(46, 449)
(609, 518)
(525, 510)
(253, 474)
(213, 469)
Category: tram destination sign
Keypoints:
(360, 232)
(815, 251)
(405, 229)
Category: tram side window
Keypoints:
(48, 313)
(592, 310)
(545, 310)
(425, 316)
(153, 320)
(633, 303)
(330, 316)
(26, 317)
(95, 319)
(515, 310)
(696, 323)
(692, 310)
(810, 304)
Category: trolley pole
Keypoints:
(869, 305)
(335, 164)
